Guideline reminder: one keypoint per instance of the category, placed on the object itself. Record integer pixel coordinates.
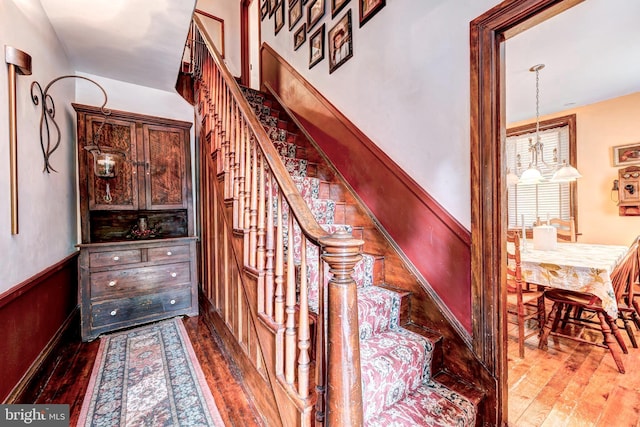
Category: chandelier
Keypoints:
(532, 175)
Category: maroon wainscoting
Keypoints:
(435, 242)
(30, 314)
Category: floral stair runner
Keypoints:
(397, 386)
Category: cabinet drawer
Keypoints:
(140, 307)
(110, 258)
(169, 253)
(142, 279)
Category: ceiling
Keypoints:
(136, 41)
(591, 52)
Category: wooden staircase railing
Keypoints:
(252, 216)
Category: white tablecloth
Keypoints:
(575, 266)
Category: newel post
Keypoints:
(344, 387)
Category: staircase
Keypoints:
(403, 380)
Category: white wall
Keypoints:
(406, 87)
(47, 202)
(229, 12)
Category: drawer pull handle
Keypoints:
(113, 312)
(116, 258)
(172, 301)
(174, 274)
(112, 283)
(169, 253)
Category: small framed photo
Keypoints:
(316, 47)
(337, 6)
(624, 155)
(264, 10)
(340, 42)
(300, 36)
(368, 8)
(315, 11)
(295, 13)
(272, 6)
(279, 17)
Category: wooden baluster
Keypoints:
(216, 238)
(238, 188)
(261, 232)
(253, 210)
(290, 308)
(303, 331)
(279, 292)
(246, 222)
(239, 219)
(228, 160)
(321, 345)
(344, 387)
(270, 249)
(227, 133)
(279, 279)
(234, 167)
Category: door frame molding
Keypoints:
(488, 185)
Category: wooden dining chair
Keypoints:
(522, 304)
(583, 303)
(628, 305)
(566, 228)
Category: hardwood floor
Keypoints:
(572, 384)
(68, 382)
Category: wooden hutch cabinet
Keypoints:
(138, 255)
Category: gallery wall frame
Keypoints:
(316, 47)
(300, 36)
(340, 42)
(295, 13)
(368, 8)
(315, 11)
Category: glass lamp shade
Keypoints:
(531, 176)
(104, 164)
(566, 173)
(512, 178)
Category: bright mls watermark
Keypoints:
(34, 415)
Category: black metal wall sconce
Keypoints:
(105, 161)
(48, 124)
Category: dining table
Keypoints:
(582, 267)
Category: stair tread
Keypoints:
(393, 364)
(431, 404)
(460, 386)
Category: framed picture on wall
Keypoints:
(264, 9)
(337, 6)
(315, 11)
(300, 36)
(340, 42)
(368, 8)
(316, 47)
(295, 13)
(624, 155)
(279, 17)
(272, 6)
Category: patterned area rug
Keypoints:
(148, 376)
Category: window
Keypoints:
(548, 199)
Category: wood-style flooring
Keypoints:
(68, 382)
(572, 384)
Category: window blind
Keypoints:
(544, 200)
